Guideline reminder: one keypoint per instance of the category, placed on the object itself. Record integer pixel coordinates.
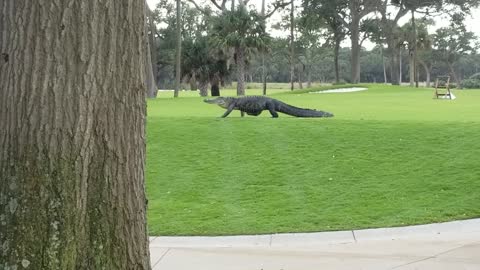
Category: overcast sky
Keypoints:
(473, 22)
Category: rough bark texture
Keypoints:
(178, 55)
(427, 72)
(292, 45)
(335, 60)
(203, 87)
(152, 47)
(240, 53)
(72, 135)
(355, 36)
(150, 83)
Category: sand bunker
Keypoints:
(341, 90)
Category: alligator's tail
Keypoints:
(300, 112)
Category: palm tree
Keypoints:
(244, 32)
(203, 64)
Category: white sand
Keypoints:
(341, 90)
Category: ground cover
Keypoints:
(391, 156)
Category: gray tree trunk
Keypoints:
(264, 73)
(411, 64)
(149, 77)
(178, 50)
(292, 45)
(153, 46)
(72, 134)
(240, 52)
(203, 86)
(354, 37)
(400, 65)
(427, 72)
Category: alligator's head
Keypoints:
(220, 101)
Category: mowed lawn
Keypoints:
(391, 156)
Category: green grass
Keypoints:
(391, 156)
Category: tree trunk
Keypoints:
(72, 134)
(354, 37)
(178, 49)
(400, 65)
(454, 74)
(240, 53)
(264, 74)
(411, 64)
(292, 48)
(193, 82)
(203, 86)
(335, 60)
(149, 78)
(427, 72)
(394, 62)
(384, 67)
(153, 47)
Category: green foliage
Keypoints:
(391, 156)
(455, 40)
(240, 28)
(471, 83)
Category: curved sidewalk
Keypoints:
(449, 245)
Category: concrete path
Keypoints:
(451, 245)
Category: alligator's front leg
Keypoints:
(271, 109)
(229, 110)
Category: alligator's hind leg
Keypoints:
(271, 109)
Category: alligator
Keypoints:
(254, 105)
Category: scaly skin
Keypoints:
(254, 105)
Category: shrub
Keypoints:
(471, 83)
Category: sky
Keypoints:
(472, 22)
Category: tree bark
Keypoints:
(72, 133)
(454, 74)
(411, 64)
(203, 86)
(264, 74)
(178, 49)
(153, 47)
(149, 78)
(335, 60)
(292, 48)
(400, 65)
(240, 53)
(355, 35)
(427, 72)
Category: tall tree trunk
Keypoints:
(178, 49)
(384, 67)
(427, 72)
(150, 83)
(454, 74)
(153, 46)
(400, 65)
(300, 75)
(149, 78)
(394, 62)
(414, 26)
(203, 86)
(411, 64)
(335, 60)
(240, 53)
(264, 73)
(72, 133)
(292, 48)
(354, 37)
